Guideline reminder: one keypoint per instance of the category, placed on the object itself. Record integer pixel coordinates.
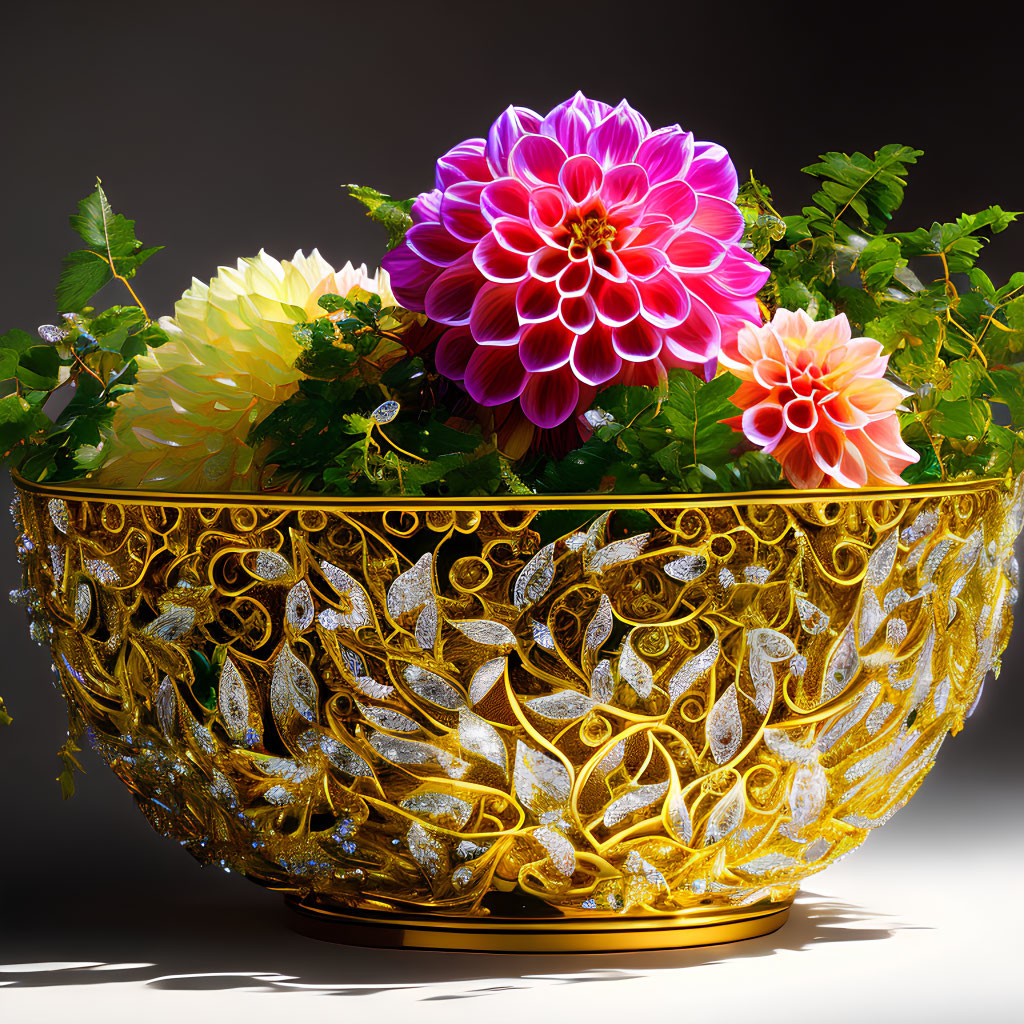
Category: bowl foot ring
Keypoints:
(604, 934)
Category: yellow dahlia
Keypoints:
(228, 363)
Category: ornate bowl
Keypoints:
(523, 724)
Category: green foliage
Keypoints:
(955, 340)
(652, 441)
(90, 355)
(112, 251)
(326, 437)
(392, 214)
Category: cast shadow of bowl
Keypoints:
(247, 946)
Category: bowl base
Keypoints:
(507, 935)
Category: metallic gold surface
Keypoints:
(488, 935)
(587, 711)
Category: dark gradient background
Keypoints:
(226, 127)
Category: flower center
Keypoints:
(592, 232)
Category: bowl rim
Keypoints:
(78, 491)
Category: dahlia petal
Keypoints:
(650, 374)
(770, 373)
(536, 301)
(692, 252)
(718, 217)
(699, 337)
(664, 300)
(616, 303)
(505, 197)
(460, 211)
(673, 199)
(577, 313)
(712, 171)
(411, 276)
(506, 131)
(642, 262)
(495, 375)
(546, 346)
(739, 274)
(666, 154)
(616, 139)
(568, 125)
(800, 415)
(427, 206)
(547, 209)
(435, 244)
(550, 398)
(595, 111)
(581, 177)
(875, 398)
(453, 352)
(575, 279)
(449, 299)
(798, 463)
(548, 263)
(832, 334)
(497, 263)
(493, 320)
(637, 341)
(624, 184)
(517, 235)
(653, 229)
(763, 424)
(884, 434)
(464, 162)
(607, 263)
(593, 358)
(536, 160)
(881, 468)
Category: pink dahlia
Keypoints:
(576, 249)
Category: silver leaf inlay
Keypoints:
(433, 688)
(617, 551)
(564, 706)
(487, 632)
(388, 718)
(630, 803)
(727, 816)
(484, 679)
(535, 579)
(635, 672)
(693, 669)
(600, 627)
(233, 701)
(298, 608)
(723, 727)
(292, 689)
(687, 568)
(412, 589)
(479, 737)
(560, 851)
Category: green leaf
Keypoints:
(101, 229)
(392, 214)
(856, 187)
(694, 411)
(39, 368)
(18, 340)
(82, 275)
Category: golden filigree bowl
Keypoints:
(517, 724)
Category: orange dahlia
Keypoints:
(814, 397)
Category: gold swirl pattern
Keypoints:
(512, 711)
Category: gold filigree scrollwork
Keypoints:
(431, 708)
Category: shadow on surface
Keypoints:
(185, 945)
